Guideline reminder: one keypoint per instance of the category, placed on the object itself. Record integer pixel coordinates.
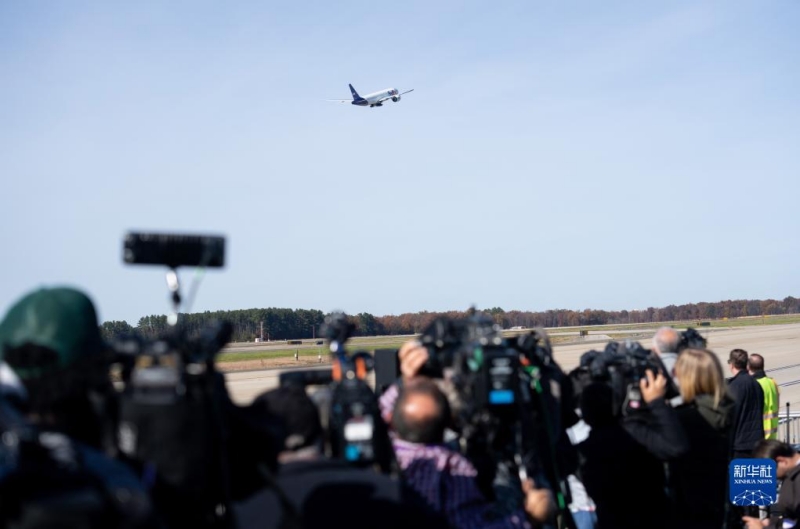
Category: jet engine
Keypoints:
(396, 99)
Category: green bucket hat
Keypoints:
(60, 319)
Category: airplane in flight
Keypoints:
(375, 99)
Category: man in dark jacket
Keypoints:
(787, 511)
(748, 425)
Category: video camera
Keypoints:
(493, 375)
(690, 339)
(175, 421)
(161, 371)
(171, 419)
(356, 432)
(485, 368)
(621, 366)
(511, 409)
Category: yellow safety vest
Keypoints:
(770, 407)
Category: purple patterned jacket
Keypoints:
(447, 480)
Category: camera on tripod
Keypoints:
(494, 374)
(485, 368)
(160, 371)
(166, 369)
(172, 418)
(512, 412)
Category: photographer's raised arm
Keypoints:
(413, 356)
(657, 428)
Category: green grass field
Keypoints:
(357, 344)
(261, 355)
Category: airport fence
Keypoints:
(789, 427)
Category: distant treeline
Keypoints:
(282, 324)
(278, 324)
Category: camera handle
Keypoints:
(174, 287)
(521, 470)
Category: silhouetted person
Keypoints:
(622, 459)
(786, 513)
(51, 341)
(748, 425)
(699, 478)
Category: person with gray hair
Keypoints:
(665, 344)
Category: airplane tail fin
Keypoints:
(356, 97)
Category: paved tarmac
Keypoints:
(779, 344)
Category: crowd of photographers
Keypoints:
(477, 431)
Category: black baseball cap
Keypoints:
(296, 411)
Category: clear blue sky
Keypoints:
(553, 155)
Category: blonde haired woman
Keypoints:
(699, 478)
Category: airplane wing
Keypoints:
(387, 98)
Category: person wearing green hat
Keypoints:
(53, 472)
(51, 340)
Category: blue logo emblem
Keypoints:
(753, 482)
(501, 396)
(352, 452)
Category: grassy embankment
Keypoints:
(369, 343)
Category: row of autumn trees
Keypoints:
(283, 324)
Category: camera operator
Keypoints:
(56, 474)
(787, 511)
(420, 414)
(623, 468)
(314, 492)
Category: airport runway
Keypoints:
(779, 344)
(248, 347)
(244, 386)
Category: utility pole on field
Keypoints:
(262, 330)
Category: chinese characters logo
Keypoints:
(753, 482)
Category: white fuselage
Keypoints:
(378, 98)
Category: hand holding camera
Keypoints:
(539, 503)
(653, 386)
(413, 355)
